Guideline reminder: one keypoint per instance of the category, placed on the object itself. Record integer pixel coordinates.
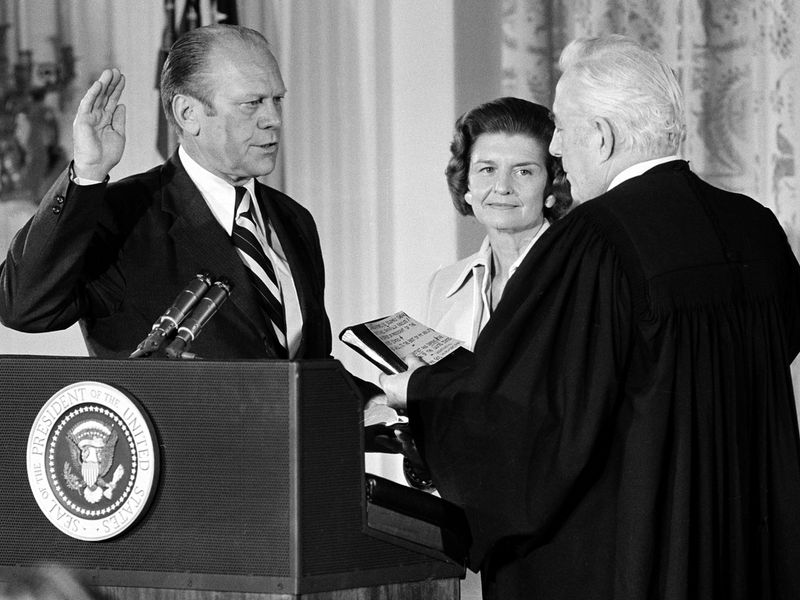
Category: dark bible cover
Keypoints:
(422, 521)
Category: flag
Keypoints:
(195, 13)
(165, 137)
(226, 12)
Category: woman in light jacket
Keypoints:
(501, 173)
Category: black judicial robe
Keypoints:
(626, 426)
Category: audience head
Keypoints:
(222, 90)
(44, 583)
(510, 117)
(616, 99)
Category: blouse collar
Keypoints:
(482, 259)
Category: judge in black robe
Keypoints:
(626, 426)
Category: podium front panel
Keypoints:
(260, 486)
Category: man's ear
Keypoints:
(186, 109)
(605, 134)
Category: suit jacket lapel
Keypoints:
(197, 232)
(291, 239)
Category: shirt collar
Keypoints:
(483, 259)
(218, 193)
(639, 169)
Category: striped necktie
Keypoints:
(251, 244)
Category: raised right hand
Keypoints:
(98, 131)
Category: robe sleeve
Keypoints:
(791, 304)
(514, 431)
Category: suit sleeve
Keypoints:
(512, 431)
(44, 279)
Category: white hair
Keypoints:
(632, 87)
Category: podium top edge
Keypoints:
(196, 361)
(290, 366)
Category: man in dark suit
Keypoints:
(115, 255)
(626, 427)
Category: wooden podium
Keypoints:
(259, 495)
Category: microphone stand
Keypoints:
(192, 325)
(166, 325)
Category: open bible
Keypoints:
(385, 342)
(388, 340)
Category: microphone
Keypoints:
(167, 323)
(200, 315)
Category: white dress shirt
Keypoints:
(639, 169)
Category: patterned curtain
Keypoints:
(738, 62)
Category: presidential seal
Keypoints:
(92, 460)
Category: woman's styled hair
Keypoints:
(512, 116)
(187, 63)
(630, 86)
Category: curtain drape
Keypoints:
(739, 65)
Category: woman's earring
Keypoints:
(550, 201)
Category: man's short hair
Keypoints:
(187, 62)
(632, 87)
